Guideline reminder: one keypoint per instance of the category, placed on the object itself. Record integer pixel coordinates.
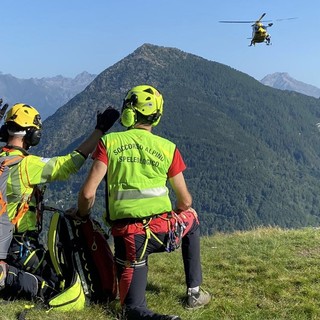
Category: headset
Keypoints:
(32, 134)
(129, 115)
(32, 137)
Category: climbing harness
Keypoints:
(172, 241)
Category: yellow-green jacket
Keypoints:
(138, 163)
(28, 173)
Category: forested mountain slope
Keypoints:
(252, 151)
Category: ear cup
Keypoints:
(32, 137)
(128, 117)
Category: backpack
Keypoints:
(5, 163)
(80, 253)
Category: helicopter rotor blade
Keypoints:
(252, 22)
(261, 17)
(230, 21)
(293, 18)
(257, 21)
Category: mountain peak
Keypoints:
(283, 81)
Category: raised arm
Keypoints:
(105, 121)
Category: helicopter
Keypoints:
(259, 30)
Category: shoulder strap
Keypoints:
(5, 162)
(11, 160)
(52, 243)
(10, 148)
(8, 161)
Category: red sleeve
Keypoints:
(100, 153)
(176, 167)
(177, 164)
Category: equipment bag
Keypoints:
(94, 247)
(81, 247)
(70, 299)
(26, 253)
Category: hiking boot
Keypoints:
(169, 317)
(124, 316)
(196, 300)
(3, 274)
(157, 316)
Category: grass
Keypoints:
(266, 273)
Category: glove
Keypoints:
(106, 119)
(72, 213)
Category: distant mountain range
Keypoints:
(45, 94)
(50, 93)
(283, 81)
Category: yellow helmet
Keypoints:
(145, 100)
(24, 116)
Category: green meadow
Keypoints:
(266, 273)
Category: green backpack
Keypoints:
(72, 296)
(70, 299)
(84, 262)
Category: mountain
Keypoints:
(252, 152)
(282, 81)
(46, 94)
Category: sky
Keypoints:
(45, 38)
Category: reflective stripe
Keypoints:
(141, 194)
(146, 194)
(131, 264)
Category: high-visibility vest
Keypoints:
(138, 163)
(29, 172)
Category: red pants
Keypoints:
(132, 251)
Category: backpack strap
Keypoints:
(23, 207)
(39, 208)
(5, 163)
(3, 205)
(52, 243)
(10, 160)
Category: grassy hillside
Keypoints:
(266, 273)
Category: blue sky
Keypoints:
(44, 38)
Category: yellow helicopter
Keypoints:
(259, 30)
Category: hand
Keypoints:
(106, 119)
(72, 213)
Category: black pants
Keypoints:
(29, 266)
(20, 285)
